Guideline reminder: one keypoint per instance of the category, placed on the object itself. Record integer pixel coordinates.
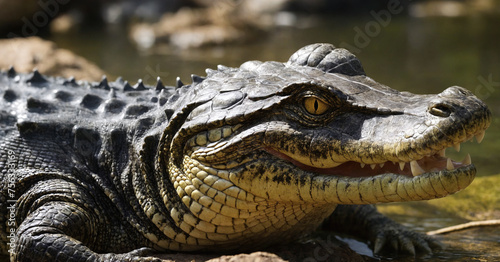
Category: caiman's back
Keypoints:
(56, 139)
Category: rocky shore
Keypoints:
(27, 54)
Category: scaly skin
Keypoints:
(244, 158)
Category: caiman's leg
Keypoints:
(60, 231)
(382, 232)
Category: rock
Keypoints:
(448, 8)
(258, 256)
(26, 54)
(253, 257)
(222, 23)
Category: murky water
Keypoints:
(417, 55)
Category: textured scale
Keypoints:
(107, 171)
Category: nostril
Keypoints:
(440, 109)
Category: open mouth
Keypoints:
(432, 163)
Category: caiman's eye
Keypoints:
(315, 106)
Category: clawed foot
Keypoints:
(396, 237)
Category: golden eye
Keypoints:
(315, 106)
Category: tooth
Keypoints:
(467, 160)
(449, 164)
(416, 170)
(402, 165)
(381, 165)
(457, 147)
(480, 136)
(442, 153)
(362, 165)
(373, 166)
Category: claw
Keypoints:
(379, 243)
(435, 244)
(395, 244)
(424, 247)
(407, 245)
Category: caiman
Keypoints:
(241, 159)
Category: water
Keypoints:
(416, 55)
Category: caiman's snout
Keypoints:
(452, 100)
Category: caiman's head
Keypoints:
(314, 131)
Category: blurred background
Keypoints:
(416, 46)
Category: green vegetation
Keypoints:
(481, 200)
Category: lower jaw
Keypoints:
(390, 187)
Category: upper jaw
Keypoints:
(416, 165)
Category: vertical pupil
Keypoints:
(316, 105)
